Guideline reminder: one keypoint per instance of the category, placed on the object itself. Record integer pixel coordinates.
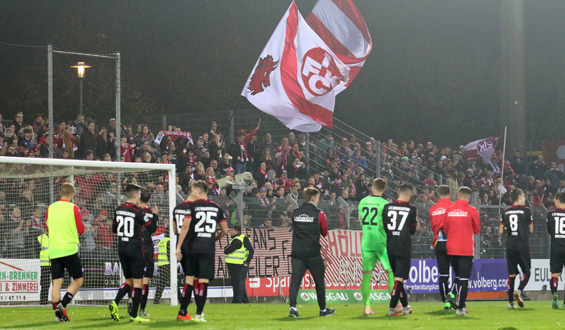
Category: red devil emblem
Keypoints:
(260, 78)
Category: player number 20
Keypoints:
(125, 226)
(559, 226)
(393, 215)
(206, 222)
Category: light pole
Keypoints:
(81, 69)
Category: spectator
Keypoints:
(88, 139)
(19, 122)
(261, 175)
(239, 150)
(554, 175)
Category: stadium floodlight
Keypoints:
(97, 196)
(81, 69)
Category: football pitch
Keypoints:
(483, 315)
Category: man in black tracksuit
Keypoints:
(308, 222)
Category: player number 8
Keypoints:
(513, 220)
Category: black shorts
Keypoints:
(518, 257)
(132, 260)
(556, 260)
(462, 266)
(400, 266)
(149, 257)
(442, 257)
(200, 265)
(72, 263)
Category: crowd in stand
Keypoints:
(342, 167)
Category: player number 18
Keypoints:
(559, 226)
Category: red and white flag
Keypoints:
(483, 148)
(340, 25)
(298, 75)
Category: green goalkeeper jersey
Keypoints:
(371, 217)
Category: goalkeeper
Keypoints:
(373, 244)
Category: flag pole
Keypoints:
(502, 171)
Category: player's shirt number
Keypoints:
(369, 220)
(513, 221)
(206, 222)
(559, 226)
(393, 224)
(125, 226)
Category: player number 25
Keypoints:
(206, 222)
(125, 226)
(393, 215)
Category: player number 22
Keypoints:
(125, 226)
(366, 212)
(206, 223)
(393, 215)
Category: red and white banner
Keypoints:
(483, 148)
(298, 75)
(270, 269)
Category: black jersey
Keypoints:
(400, 222)
(179, 212)
(516, 220)
(556, 229)
(201, 237)
(151, 225)
(128, 223)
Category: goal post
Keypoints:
(29, 185)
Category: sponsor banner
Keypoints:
(540, 275)
(19, 280)
(342, 296)
(486, 275)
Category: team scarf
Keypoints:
(173, 135)
(263, 172)
(264, 201)
(243, 150)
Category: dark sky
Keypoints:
(434, 69)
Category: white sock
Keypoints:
(293, 309)
(322, 310)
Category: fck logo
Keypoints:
(485, 145)
(319, 72)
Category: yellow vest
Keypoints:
(63, 235)
(43, 240)
(238, 256)
(163, 259)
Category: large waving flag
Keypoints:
(298, 75)
(483, 148)
(340, 25)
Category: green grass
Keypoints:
(483, 315)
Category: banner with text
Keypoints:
(486, 275)
(19, 280)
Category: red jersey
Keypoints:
(437, 214)
(460, 223)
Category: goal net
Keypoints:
(29, 185)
